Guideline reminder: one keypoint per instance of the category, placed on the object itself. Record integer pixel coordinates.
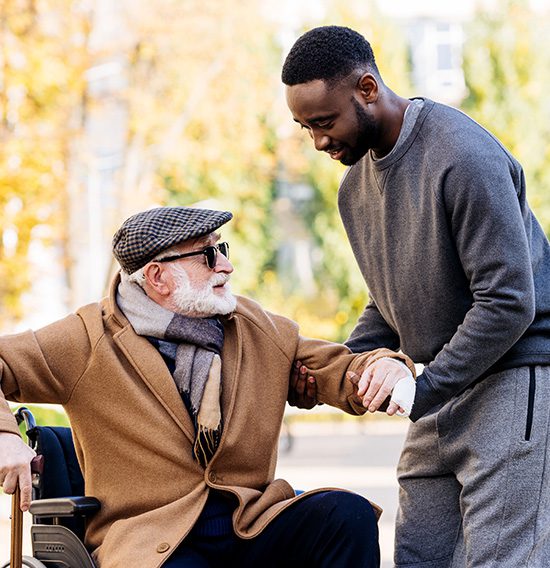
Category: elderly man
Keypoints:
(175, 391)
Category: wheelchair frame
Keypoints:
(53, 545)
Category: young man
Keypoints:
(176, 390)
(458, 271)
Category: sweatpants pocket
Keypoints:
(530, 403)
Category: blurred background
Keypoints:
(108, 107)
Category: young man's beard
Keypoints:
(367, 133)
(202, 302)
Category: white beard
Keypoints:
(202, 302)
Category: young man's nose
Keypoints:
(320, 141)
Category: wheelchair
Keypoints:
(59, 509)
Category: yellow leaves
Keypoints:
(323, 315)
(341, 318)
(20, 19)
(205, 108)
(270, 277)
(42, 81)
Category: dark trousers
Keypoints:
(333, 529)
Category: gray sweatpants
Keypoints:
(474, 478)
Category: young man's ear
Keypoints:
(368, 88)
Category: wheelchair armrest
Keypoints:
(65, 507)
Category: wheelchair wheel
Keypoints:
(32, 562)
(29, 562)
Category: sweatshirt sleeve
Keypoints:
(372, 332)
(488, 228)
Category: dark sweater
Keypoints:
(457, 266)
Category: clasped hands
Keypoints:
(385, 377)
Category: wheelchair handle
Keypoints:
(37, 465)
(23, 414)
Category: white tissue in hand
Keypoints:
(403, 394)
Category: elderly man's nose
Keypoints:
(223, 264)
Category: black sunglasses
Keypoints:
(210, 253)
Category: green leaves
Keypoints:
(507, 70)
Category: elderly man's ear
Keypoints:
(157, 278)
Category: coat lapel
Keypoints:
(150, 366)
(231, 368)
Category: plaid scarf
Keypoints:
(197, 345)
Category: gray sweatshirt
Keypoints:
(457, 266)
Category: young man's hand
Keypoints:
(379, 380)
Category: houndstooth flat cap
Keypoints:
(144, 235)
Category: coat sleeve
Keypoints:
(42, 366)
(329, 363)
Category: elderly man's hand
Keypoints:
(377, 383)
(15, 459)
(302, 389)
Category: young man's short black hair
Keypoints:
(329, 53)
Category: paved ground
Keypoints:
(357, 455)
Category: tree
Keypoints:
(200, 115)
(202, 109)
(41, 58)
(507, 72)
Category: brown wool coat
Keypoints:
(133, 435)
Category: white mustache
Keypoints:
(219, 279)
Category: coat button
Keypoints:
(163, 547)
(212, 476)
